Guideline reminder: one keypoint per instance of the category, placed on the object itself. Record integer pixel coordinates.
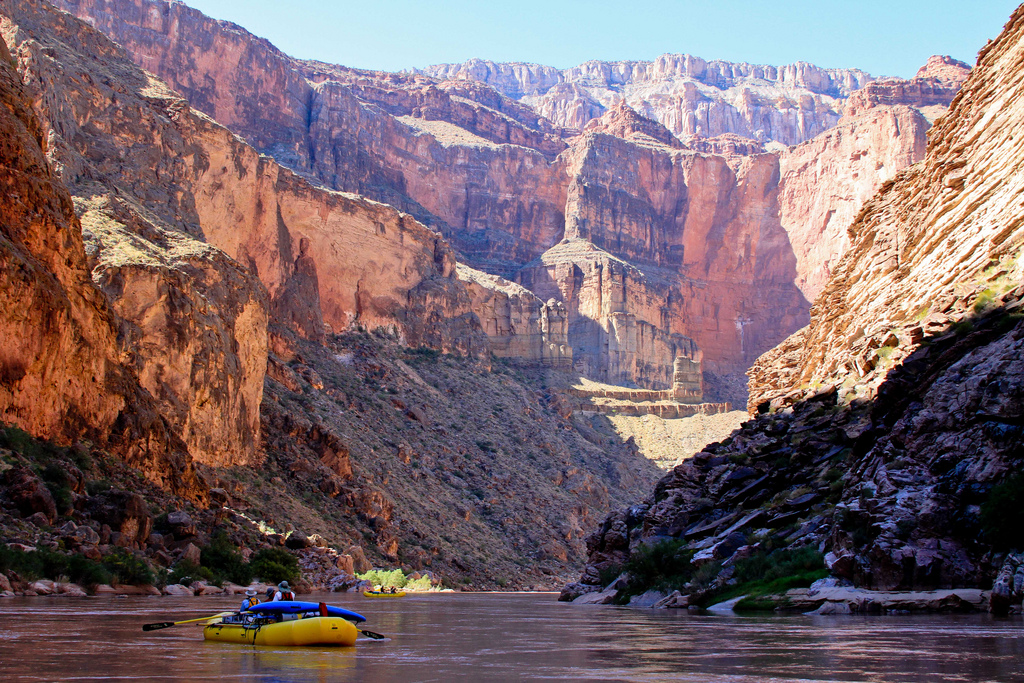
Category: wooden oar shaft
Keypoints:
(168, 624)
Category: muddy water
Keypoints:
(504, 637)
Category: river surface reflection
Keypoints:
(505, 637)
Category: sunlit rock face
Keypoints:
(681, 173)
(63, 373)
(197, 240)
(666, 248)
(905, 388)
(686, 94)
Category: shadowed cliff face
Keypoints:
(61, 373)
(883, 427)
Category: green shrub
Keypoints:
(224, 561)
(185, 572)
(776, 572)
(423, 583)
(984, 300)
(779, 564)
(127, 568)
(47, 564)
(22, 442)
(758, 604)
(608, 573)
(1002, 515)
(274, 565)
(383, 578)
(86, 572)
(55, 477)
(663, 566)
(100, 486)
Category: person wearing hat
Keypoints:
(250, 600)
(284, 592)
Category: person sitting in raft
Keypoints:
(270, 592)
(250, 600)
(284, 592)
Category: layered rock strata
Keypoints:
(686, 94)
(168, 221)
(482, 169)
(911, 416)
(459, 157)
(205, 285)
(922, 243)
(62, 371)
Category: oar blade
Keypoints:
(155, 627)
(371, 634)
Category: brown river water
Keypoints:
(504, 637)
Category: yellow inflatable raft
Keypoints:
(378, 594)
(308, 631)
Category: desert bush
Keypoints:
(127, 568)
(1002, 514)
(274, 565)
(224, 561)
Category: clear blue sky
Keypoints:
(890, 37)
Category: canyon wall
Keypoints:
(173, 295)
(733, 242)
(923, 242)
(688, 95)
(886, 434)
(199, 241)
(170, 213)
(469, 169)
(825, 181)
(61, 356)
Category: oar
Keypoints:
(168, 624)
(371, 634)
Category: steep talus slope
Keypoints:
(883, 428)
(434, 461)
(62, 375)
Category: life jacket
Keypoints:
(287, 595)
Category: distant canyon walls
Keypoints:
(686, 94)
(703, 233)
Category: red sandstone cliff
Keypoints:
(886, 434)
(923, 242)
(170, 214)
(61, 369)
(172, 293)
(481, 168)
